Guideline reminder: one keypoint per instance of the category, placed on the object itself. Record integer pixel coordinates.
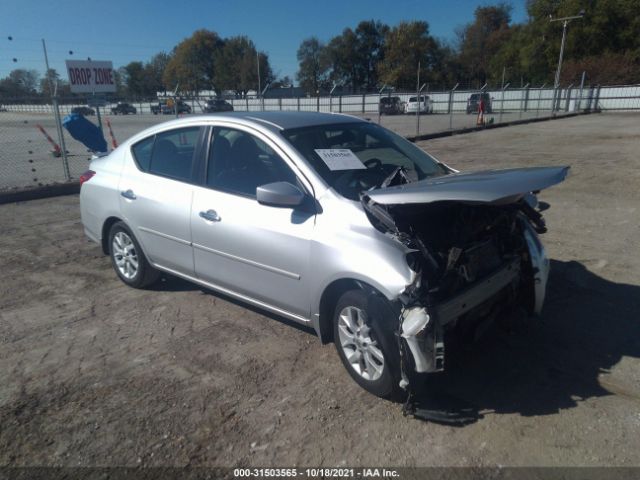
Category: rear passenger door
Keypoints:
(156, 190)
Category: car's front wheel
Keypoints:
(366, 347)
(128, 259)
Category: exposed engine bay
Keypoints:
(473, 261)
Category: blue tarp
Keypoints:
(85, 132)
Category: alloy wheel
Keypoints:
(124, 255)
(358, 345)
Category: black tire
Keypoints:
(145, 274)
(381, 331)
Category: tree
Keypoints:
(612, 69)
(153, 72)
(405, 45)
(20, 82)
(370, 37)
(135, 79)
(609, 27)
(51, 79)
(481, 40)
(342, 54)
(354, 55)
(238, 66)
(313, 70)
(192, 66)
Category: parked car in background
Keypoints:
(84, 111)
(473, 102)
(168, 107)
(330, 221)
(217, 105)
(123, 109)
(425, 104)
(390, 106)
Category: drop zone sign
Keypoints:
(88, 76)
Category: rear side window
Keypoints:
(142, 153)
(169, 154)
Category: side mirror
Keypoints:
(280, 194)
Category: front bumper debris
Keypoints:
(423, 332)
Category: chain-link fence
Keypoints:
(32, 152)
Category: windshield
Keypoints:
(370, 155)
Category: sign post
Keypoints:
(91, 76)
(97, 101)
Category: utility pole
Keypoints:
(418, 102)
(565, 21)
(258, 63)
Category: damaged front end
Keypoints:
(473, 245)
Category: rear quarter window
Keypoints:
(142, 153)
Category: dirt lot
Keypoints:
(95, 373)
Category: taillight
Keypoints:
(86, 176)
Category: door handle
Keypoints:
(128, 194)
(211, 216)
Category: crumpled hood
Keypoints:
(488, 186)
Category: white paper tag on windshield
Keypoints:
(340, 159)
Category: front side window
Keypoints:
(379, 152)
(240, 162)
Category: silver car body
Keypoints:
(279, 259)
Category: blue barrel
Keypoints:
(85, 132)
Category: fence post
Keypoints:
(595, 107)
(318, 101)
(502, 101)
(298, 102)
(524, 98)
(568, 99)
(451, 106)
(363, 100)
(65, 160)
(246, 101)
(539, 97)
(579, 103)
(280, 103)
(340, 104)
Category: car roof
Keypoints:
(287, 120)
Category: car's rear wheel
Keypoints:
(367, 348)
(128, 259)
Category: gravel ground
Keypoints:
(95, 373)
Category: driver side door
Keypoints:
(242, 247)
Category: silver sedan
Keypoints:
(328, 220)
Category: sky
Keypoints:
(123, 31)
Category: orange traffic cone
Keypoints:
(480, 119)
